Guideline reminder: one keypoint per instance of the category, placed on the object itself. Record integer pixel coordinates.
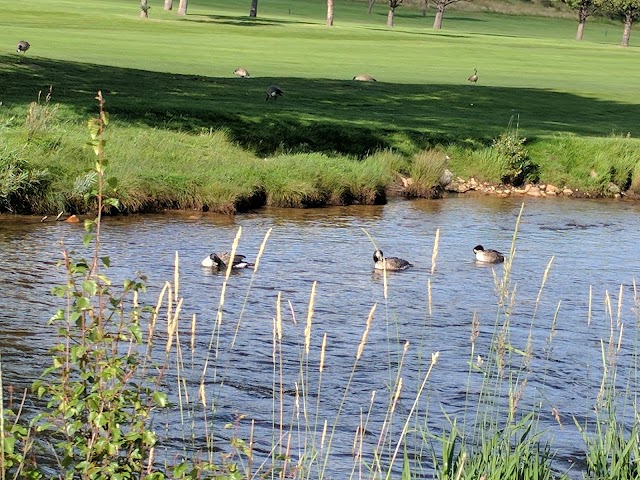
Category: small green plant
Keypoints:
(612, 453)
(98, 389)
(519, 167)
(513, 452)
(15, 440)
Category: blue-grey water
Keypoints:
(594, 245)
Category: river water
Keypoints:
(594, 245)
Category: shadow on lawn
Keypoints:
(243, 21)
(314, 114)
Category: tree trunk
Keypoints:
(580, 31)
(425, 6)
(144, 9)
(329, 13)
(437, 22)
(626, 33)
(583, 13)
(182, 7)
(253, 11)
(390, 17)
(371, 3)
(168, 5)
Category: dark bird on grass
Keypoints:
(273, 92)
(389, 263)
(487, 256)
(364, 78)
(219, 261)
(474, 78)
(23, 46)
(241, 72)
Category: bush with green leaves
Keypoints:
(519, 167)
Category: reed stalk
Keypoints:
(359, 352)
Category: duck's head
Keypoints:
(378, 256)
(478, 248)
(212, 261)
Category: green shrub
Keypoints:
(519, 167)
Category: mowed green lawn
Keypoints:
(177, 72)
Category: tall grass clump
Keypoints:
(426, 171)
(597, 166)
(612, 432)
(22, 186)
(635, 180)
(482, 164)
(206, 171)
(40, 115)
(307, 180)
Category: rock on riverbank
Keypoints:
(461, 185)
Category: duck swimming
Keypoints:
(390, 263)
(219, 261)
(487, 256)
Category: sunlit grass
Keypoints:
(176, 116)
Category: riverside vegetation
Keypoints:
(188, 134)
(104, 393)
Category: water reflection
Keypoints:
(593, 245)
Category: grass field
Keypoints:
(175, 74)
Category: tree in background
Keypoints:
(393, 4)
(585, 8)
(182, 7)
(440, 6)
(253, 10)
(168, 4)
(330, 13)
(629, 10)
(144, 9)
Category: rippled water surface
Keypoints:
(594, 245)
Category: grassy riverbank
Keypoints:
(185, 133)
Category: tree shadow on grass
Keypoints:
(245, 21)
(327, 115)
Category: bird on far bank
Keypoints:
(364, 78)
(219, 261)
(389, 263)
(23, 46)
(241, 72)
(273, 92)
(488, 255)
(474, 78)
